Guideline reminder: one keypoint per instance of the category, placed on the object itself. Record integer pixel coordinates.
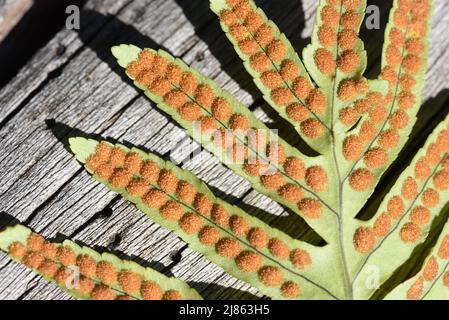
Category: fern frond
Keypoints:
(231, 132)
(276, 69)
(386, 122)
(336, 60)
(86, 274)
(432, 281)
(403, 219)
(336, 51)
(245, 247)
(358, 125)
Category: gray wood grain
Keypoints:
(11, 11)
(81, 87)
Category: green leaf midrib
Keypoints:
(340, 216)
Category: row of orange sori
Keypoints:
(346, 40)
(430, 271)
(163, 197)
(315, 176)
(403, 55)
(56, 262)
(360, 145)
(403, 63)
(267, 55)
(181, 91)
(436, 156)
(339, 23)
(340, 28)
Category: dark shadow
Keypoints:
(103, 214)
(374, 38)
(176, 257)
(211, 291)
(7, 220)
(286, 131)
(292, 224)
(417, 139)
(116, 32)
(63, 133)
(38, 26)
(289, 16)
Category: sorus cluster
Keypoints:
(230, 233)
(428, 275)
(201, 97)
(98, 280)
(339, 36)
(286, 80)
(381, 130)
(425, 184)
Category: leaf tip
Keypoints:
(8, 234)
(82, 148)
(125, 53)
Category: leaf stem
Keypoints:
(340, 215)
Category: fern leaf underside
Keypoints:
(405, 216)
(432, 281)
(244, 246)
(87, 274)
(230, 131)
(357, 125)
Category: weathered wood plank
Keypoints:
(49, 60)
(11, 11)
(127, 122)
